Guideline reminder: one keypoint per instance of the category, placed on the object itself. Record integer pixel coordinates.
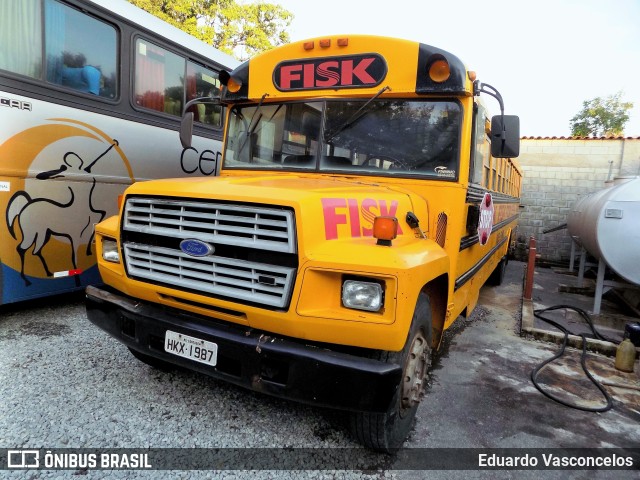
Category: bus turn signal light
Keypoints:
(234, 85)
(385, 229)
(439, 70)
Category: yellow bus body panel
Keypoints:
(333, 222)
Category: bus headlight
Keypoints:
(110, 250)
(362, 295)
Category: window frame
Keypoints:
(320, 169)
(118, 60)
(157, 42)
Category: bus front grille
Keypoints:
(252, 258)
(239, 280)
(240, 225)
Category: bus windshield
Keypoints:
(388, 137)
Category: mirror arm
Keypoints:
(482, 88)
(479, 88)
(195, 101)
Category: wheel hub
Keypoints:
(415, 371)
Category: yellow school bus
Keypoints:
(363, 199)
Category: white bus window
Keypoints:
(203, 82)
(80, 51)
(21, 38)
(159, 78)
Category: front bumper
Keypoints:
(279, 366)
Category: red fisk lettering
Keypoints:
(308, 75)
(288, 74)
(331, 218)
(331, 72)
(368, 215)
(388, 212)
(360, 71)
(354, 217)
(341, 211)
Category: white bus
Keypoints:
(91, 96)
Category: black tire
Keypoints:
(387, 431)
(152, 361)
(497, 276)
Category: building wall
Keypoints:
(557, 172)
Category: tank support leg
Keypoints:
(599, 287)
(572, 258)
(583, 261)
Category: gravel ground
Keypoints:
(64, 383)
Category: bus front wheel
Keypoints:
(387, 431)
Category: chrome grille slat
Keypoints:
(211, 275)
(247, 226)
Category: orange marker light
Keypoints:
(343, 42)
(308, 45)
(325, 43)
(234, 85)
(385, 229)
(439, 71)
(120, 199)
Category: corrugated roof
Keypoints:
(611, 137)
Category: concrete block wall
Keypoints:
(557, 172)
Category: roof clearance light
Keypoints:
(234, 85)
(308, 45)
(439, 70)
(343, 42)
(385, 229)
(325, 43)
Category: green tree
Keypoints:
(601, 117)
(238, 29)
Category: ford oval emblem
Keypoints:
(196, 248)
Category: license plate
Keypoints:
(190, 347)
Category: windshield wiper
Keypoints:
(252, 125)
(357, 115)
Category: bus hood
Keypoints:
(326, 207)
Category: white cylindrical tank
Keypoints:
(607, 224)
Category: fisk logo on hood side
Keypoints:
(358, 217)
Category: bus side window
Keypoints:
(80, 51)
(158, 78)
(203, 82)
(21, 38)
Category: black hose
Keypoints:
(535, 371)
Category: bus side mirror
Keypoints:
(186, 130)
(505, 136)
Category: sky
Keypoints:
(546, 57)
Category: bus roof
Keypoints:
(136, 15)
(357, 64)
